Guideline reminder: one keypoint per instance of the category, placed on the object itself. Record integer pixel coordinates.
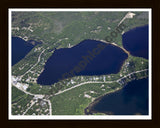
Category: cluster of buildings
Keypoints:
(15, 82)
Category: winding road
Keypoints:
(39, 58)
(78, 85)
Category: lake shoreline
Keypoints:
(83, 52)
(137, 45)
(103, 41)
(29, 41)
(96, 101)
(89, 111)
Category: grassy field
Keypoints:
(73, 102)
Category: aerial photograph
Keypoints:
(79, 63)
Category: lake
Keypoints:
(136, 41)
(132, 99)
(109, 60)
(20, 49)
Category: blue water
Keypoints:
(108, 61)
(132, 99)
(136, 41)
(20, 48)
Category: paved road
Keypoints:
(49, 102)
(131, 74)
(82, 84)
(39, 58)
(98, 82)
(28, 108)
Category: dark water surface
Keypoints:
(20, 49)
(108, 61)
(136, 41)
(132, 99)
